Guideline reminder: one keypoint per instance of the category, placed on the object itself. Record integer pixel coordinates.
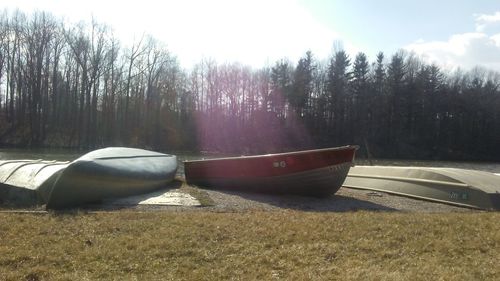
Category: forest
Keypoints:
(77, 86)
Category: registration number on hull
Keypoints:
(459, 195)
(279, 164)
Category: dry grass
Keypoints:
(288, 245)
(197, 193)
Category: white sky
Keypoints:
(451, 33)
(252, 32)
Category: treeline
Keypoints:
(77, 86)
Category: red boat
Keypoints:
(317, 172)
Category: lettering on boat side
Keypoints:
(281, 164)
(459, 195)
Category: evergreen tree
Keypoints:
(302, 84)
(281, 84)
(338, 78)
(361, 98)
(396, 86)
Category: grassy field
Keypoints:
(291, 245)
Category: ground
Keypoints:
(345, 199)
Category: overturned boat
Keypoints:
(461, 187)
(105, 173)
(25, 182)
(312, 172)
(111, 172)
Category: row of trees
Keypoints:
(78, 87)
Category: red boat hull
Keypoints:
(313, 172)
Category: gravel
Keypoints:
(344, 200)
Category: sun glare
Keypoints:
(255, 33)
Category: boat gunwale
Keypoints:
(244, 157)
(123, 157)
(417, 180)
(415, 196)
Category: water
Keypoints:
(70, 155)
(44, 154)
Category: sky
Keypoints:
(460, 33)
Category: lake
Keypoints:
(69, 155)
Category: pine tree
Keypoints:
(338, 78)
(360, 96)
(396, 86)
(302, 84)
